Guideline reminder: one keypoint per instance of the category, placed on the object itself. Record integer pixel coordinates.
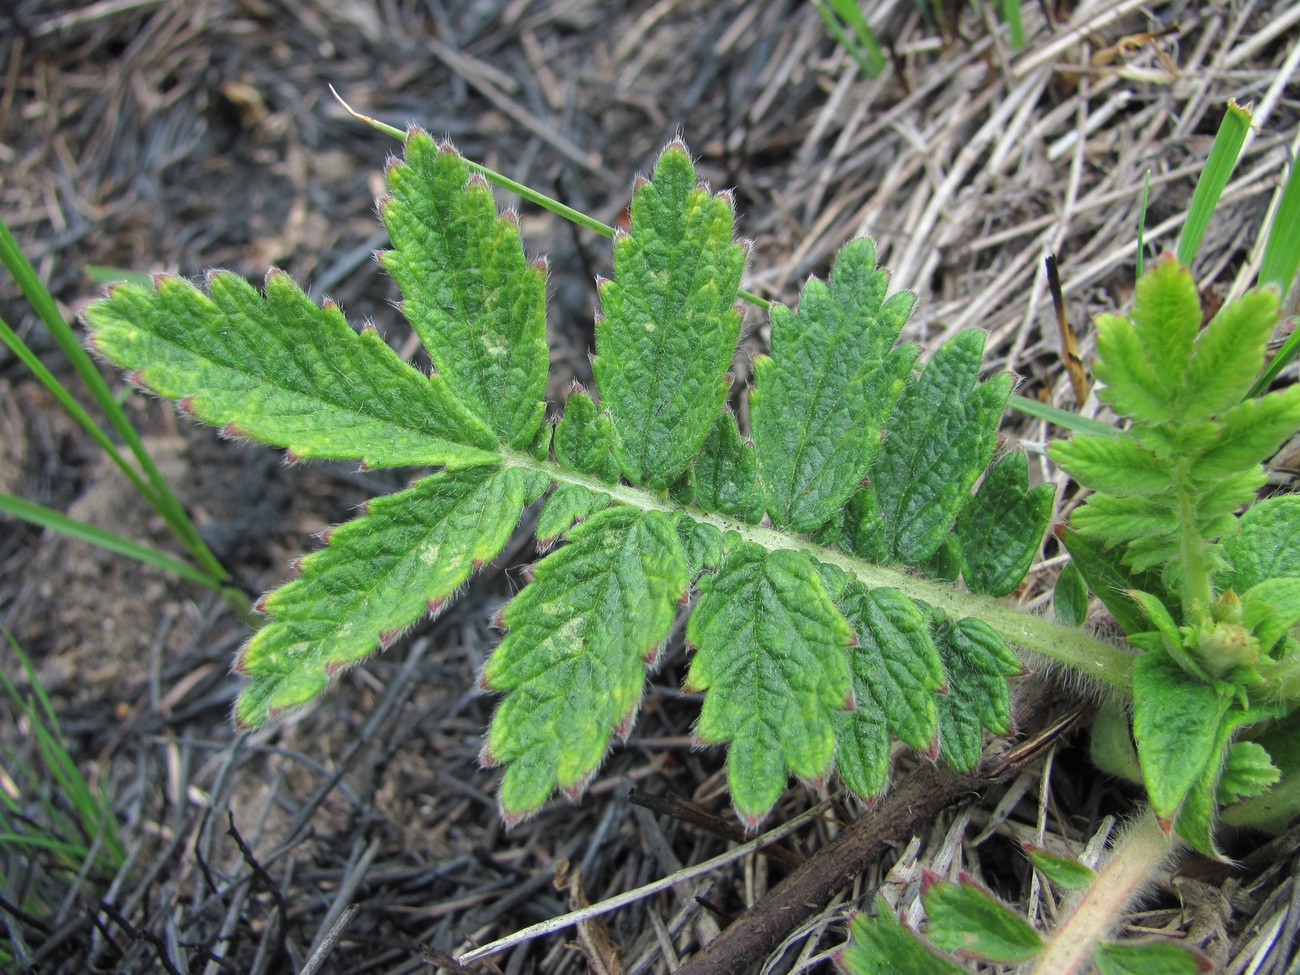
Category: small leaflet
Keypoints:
(883, 945)
(769, 649)
(978, 663)
(940, 439)
(724, 472)
(407, 554)
(897, 674)
(573, 661)
(477, 304)
(568, 503)
(820, 401)
(584, 438)
(285, 371)
(669, 325)
(967, 920)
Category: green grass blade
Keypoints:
(1214, 177)
(1011, 14)
(842, 15)
(49, 518)
(107, 275)
(1062, 418)
(1280, 361)
(1142, 226)
(161, 497)
(1282, 252)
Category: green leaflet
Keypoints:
(977, 663)
(1248, 771)
(724, 472)
(820, 401)
(769, 649)
(1070, 596)
(1267, 544)
(1065, 872)
(568, 503)
(940, 439)
(584, 438)
(378, 574)
(1176, 722)
(1001, 528)
(573, 662)
(669, 329)
(883, 945)
(966, 919)
(1150, 958)
(896, 678)
(284, 371)
(476, 303)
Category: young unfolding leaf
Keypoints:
(669, 329)
(769, 649)
(820, 401)
(896, 678)
(978, 663)
(573, 662)
(377, 575)
(1002, 527)
(475, 302)
(282, 370)
(967, 920)
(940, 439)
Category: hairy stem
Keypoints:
(1073, 648)
(1140, 853)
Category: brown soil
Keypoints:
(360, 836)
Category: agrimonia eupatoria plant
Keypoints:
(814, 638)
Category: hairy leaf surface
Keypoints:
(285, 371)
(669, 328)
(584, 438)
(1002, 527)
(966, 919)
(940, 439)
(573, 661)
(819, 402)
(379, 573)
(476, 303)
(883, 945)
(724, 472)
(978, 663)
(897, 674)
(769, 649)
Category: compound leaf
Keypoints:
(377, 575)
(770, 652)
(820, 401)
(1002, 527)
(573, 662)
(285, 371)
(669, 328)
(940, 439)
(896, 676)
(977, 663)
(478, 306)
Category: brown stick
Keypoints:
(744, 945)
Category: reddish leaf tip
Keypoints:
(259, 606)
(542, 264)
(435, 606)
(932, 750)
(232, 432)
(291, 458)
(640, 182)
(929, 878)
(625, 725)
(387, 637)
(333, 667)
(186, 405)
